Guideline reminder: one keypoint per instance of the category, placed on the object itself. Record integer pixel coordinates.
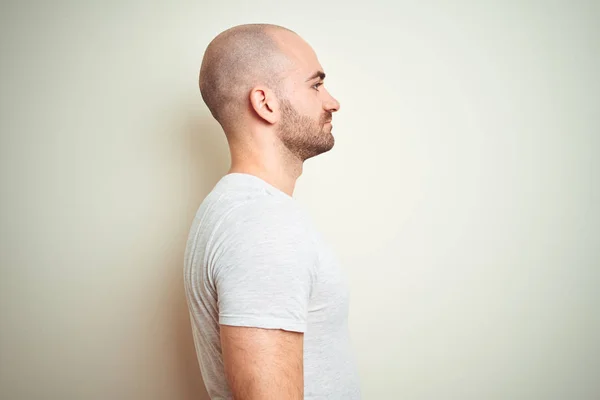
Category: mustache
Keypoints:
(326, 117)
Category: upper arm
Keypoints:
(263, 278)
(266, 270)
(263, 364)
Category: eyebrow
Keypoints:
(318, 74)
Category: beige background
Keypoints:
(462, 195)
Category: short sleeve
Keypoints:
(266, 269)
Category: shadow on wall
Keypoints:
(209, 160)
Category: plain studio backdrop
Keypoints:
(462, 195)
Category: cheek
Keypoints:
(314, 110)
(305, 101)
(313, 104)
(305, 104)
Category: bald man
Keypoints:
(267, 297)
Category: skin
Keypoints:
(277, 127)
(276, 114)
(263, 364)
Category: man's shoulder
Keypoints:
(263, 227)
(266, 212)
(251, 215)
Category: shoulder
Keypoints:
(266, 235)
(267, 215)
(264, 229)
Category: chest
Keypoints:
(329, 300)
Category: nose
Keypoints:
(331, 105)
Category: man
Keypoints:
(267, 299)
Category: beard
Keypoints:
(303, 136)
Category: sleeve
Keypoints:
(265, 274)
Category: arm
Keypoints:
(263, 277)
(263, 364)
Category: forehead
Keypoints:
(304, 59)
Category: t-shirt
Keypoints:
(253, 258)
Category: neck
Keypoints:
(274, 165)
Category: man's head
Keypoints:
(264, 79)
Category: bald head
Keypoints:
(235, 61)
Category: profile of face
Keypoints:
(306, 107)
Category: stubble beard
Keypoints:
(303, 136)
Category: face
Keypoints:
(307, 107)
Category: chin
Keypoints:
(324, 148)
(331, 140)
(329, 145)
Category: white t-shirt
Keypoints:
(254, 259)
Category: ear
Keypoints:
(265, 104)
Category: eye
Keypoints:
(316, 85)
